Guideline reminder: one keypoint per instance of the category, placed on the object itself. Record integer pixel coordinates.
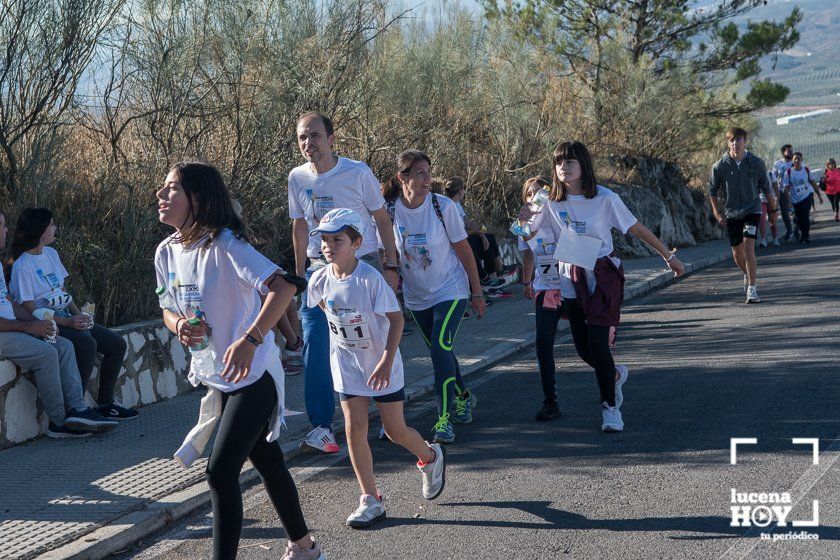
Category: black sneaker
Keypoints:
(89, 420)
(549, 411)
(117, 411)
(63, 432)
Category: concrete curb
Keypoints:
(133, 527)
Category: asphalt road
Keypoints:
(704, 367)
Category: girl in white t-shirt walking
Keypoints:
(207, 265)
(580, 218)
(365, 323)
(439, 280)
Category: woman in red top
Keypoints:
(832, 187)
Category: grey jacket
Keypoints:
(741, 184)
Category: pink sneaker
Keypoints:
(294, 552)
(290, 368)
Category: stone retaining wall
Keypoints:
(154, 369)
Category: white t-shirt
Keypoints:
(780, 168)
(355, 311)
(6, 309)
(799, 184)
(350, 184)
(592, 217)
(40, 278)
(430, 268)
(225, 282)
(460, 209)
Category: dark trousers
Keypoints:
(835, 202)
(547, 320)
(87, 343)
(242, 432)
(592, 345)
(784, 207)
(802, 209)
(485, 259)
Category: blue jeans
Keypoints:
(318, 391)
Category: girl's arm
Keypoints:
(528, 273)
(639, 230)
(465, 255)
(381, 376)
(240, 354)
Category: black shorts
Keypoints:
(738, 229)
(396, 396)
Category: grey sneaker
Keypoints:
(611, 417)
(463, 408)
(434, 473)
(56, 431)
(622, 372)
(370, 511)
(294, 552)
(752, 295)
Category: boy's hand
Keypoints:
(381, 376)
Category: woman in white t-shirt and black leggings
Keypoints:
(207, 265)
(439, 280)
(37, 282)
(580, 210)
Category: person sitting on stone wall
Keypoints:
(37, 282)
(23, 340)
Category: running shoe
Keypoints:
(463, 408)
(290, 368)
(55, 431)
(746, 283)
(293, 357)
(776, 243)
(623, 372)
(321, 439)
(549, 411)
(88, 420)
(490, 283)
(294, 552)
(371, 509)
(611, 419)
(444, 432)
(752, 295)
(788, 237)
(117, 411)
(762, 243)
(434, 473)
(295, 351)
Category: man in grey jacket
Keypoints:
(741, 176)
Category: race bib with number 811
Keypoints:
(350, 331)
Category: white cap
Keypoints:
(337, 219)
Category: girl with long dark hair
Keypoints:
(581, 216)
(214, 276)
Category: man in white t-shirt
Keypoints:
(801, 188)
(779, 170)
(324, 182)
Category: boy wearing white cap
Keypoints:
(365, 323)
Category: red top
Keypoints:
(832, 181)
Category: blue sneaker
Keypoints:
(463, 408)
(444, 433)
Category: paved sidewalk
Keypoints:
(88, 498)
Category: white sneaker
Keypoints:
(623, 372)
(434, 473)
(763, 243)
(294, 552)
(370, 511)
(321, 439)
(611, 419)
(752, 295)
(776, 243)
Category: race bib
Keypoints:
(800, 189)
(548, 269)
(322, 205)
(349, 330)
(58, 300)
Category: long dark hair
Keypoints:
(577, 151)
(210, 204)
(30, 226)
(391, 189)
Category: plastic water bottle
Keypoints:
(165, 299)
(538, 201)
(203, 354)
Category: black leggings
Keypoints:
(86, 344)
(803, 216)
(835, 202)
(592, 345)
(242, 432)
(439, 325)
(485, 259)
(547, 320)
